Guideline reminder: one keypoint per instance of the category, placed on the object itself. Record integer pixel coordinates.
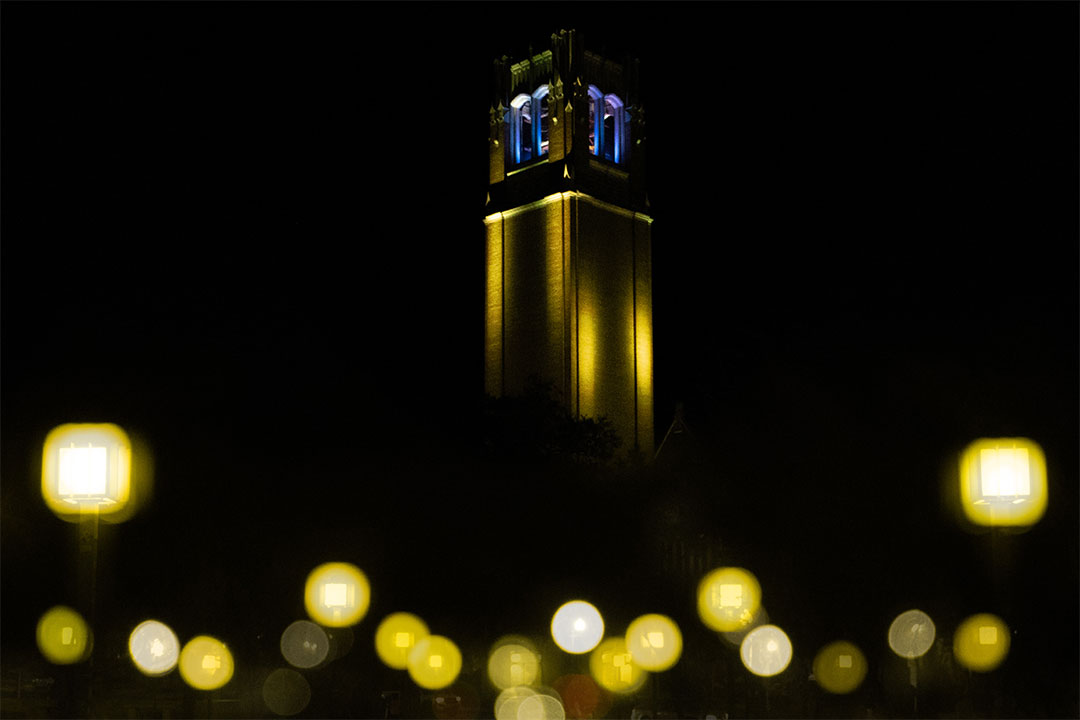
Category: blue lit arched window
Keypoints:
(607, 126)
(529, 122)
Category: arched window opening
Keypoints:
(521, 135)
(595, 120)
(613, 137)
(529, 125)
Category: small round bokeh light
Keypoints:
(981, 642)
(63, 637)
(154, 648)
(337, 594)
(577, 627)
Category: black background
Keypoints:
(251, 233)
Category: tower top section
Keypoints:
(566, 119)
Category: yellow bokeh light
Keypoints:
(613, 668)
(513, 662)
(541, 707)
(766, 651)
(981, 642)
(654, 641)
(63, 637)
(509, 701)
(86, 467)
(337, 594)
(911, 634)
(434, 662)
(304, 644)
(1003, 482)
(396, 636)
(840, 667)
(154, 648)
(577, 627)
(728, 599)
(206, 663)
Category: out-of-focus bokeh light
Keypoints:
(582, 697)
(434, 662)
(396, 636)
(654, 641)
(205, 663)
(286, 692)
(577, 627)
(981, 642)
(304, 644)
(154, 648)
(86, 467)
(541, 706)
(766, 651)
(613, 667)
(513, 661)
(337, 594)
(840, 667)
(911, 634)
(728, 599)
(1003, 482)
(509, 701)
(63, 637)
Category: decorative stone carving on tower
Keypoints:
(569, 281)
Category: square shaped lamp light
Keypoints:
(86, 467)
(1003, 482)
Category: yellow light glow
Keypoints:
(513, 662)
(613, 668)
(337, 594)
(396, 636)
(981, 643)
(911, 634)
(840, 667)
(541, 707)
(577, 627)
(86, 467)
(63, 637)
(728, 599)
(1003, 482)
(206, 663)
(766, 651)
(509, 701)
(654, 641)
(434, 662)
(587, 346)
(154, 648)
(304, 644)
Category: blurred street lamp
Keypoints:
(1003, 482)
(577, 627)
(337, 594)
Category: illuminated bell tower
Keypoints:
(569, 281)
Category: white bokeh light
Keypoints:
(154, 648)
(577, 627)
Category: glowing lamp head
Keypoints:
(654, 641)
(337, 594)
(513, 662)
(577, 627)
(434, 662)
(981, 642)
(911, 634)
(840, 667)
(728, 599)
(63, 637)
(86, 467)
(205, 663)
(1003, 482)
(154, 648)
(614, 669)
(766, 651)
(396, 636)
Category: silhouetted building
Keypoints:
(569, 281)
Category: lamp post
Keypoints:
(86, 472)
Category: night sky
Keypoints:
(252, 234)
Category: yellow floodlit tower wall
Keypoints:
(569, 281)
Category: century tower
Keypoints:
(569, 281)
